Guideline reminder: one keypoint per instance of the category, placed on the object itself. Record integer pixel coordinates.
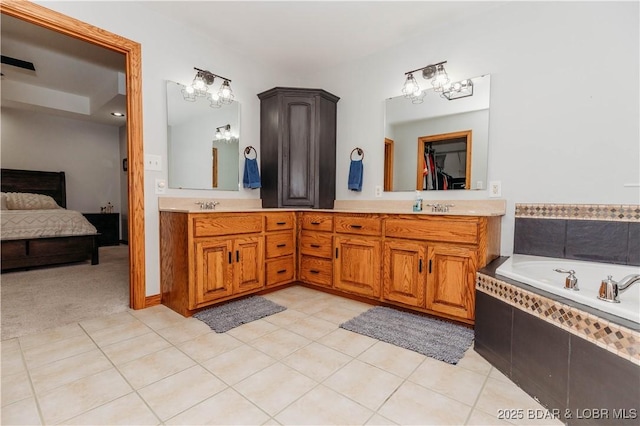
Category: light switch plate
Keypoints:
(161, 186)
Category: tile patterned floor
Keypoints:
(153, 366)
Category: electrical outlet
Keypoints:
(153, 162)
(495, 188)
(378, 191)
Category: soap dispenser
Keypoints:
(417, 204)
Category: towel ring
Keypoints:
(247, 151)
(360, 153)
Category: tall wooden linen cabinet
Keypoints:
(298, 147)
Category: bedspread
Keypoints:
(16, 224)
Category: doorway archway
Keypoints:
(41, 16)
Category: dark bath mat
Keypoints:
(437, 339)
(230, 315)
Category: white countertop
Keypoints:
(458, 208)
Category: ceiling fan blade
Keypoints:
(18, 63)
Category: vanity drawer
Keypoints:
(434, 229)
(211, 226)
(316, 244)
(279, 221)
(280, 271)
(317, 222)
(279, 244)
(316, 271)
(358, 224)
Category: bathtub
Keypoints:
(539, 272)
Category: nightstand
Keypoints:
(108, 225)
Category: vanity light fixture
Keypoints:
(200, 88)
(225, 133)
(434, 72)
(117, 114)
(459, 89)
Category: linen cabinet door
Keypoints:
(405, 272)
(451, 281)
(248, 260)
(357, 265)
(298, 153)
(214, 272)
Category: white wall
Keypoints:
(564, 121)
(170, 50)
(564, 106)
(88, 153)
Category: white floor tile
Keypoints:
(323, 406)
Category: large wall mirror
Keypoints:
(197, 158)
(448, 137)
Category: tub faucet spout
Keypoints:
(609, 288)
(626, 282)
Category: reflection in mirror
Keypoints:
(448, 138)
(197, 158)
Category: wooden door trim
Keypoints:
(52, 20)
(388, 164)
(441, 138)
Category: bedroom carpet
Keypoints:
(435, 338)
(40, 299)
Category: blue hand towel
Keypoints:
(251, 178)
(355, 175)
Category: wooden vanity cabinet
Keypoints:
(405, 272)
(225, 267)
(358, 251)
(207, 258)
(298, 147)
(451, 280)
(280, 251)
(431, 261)
(316, 248)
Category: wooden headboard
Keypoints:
(47, 183)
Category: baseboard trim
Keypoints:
(154, 300)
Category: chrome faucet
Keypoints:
(207, 205)
(609, 288)
(439, 208)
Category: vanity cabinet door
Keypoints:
(248, 261)
(213, 272)
(405, 272)
(357, 265)
(451, 280)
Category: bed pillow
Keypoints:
(3, 201)
(28, 201)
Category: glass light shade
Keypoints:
(199, 85)
(188, 94)
(214, 100)
(440, 79)
(410, 87)
(225, 93)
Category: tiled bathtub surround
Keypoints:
(609, 212)
(620, 340)
(597, 233)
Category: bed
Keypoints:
(74, 243)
